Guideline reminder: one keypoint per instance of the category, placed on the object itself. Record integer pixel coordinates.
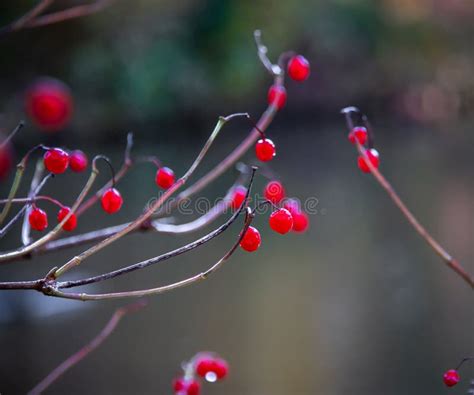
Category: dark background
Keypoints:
(357, 305)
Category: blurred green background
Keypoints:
(357, 305)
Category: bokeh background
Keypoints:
(358, 304)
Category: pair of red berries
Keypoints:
(298, 70)
(49, 104)
(359, 133)
(183, 386)
(38, 219)
(56, 160)
(212, 368)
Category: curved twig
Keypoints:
(88, 348)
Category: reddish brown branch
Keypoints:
(88, 348)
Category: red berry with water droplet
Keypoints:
(274, 192)
(78, 161)
(49, 104)
(277, 96)
(164, 177)
(56, 160)
(71, 223)
(265, 150)
(111, 201)
(281, 221)
(373, 156)
(298, 68)
(218, 366)
(251, 240)
(359, 133)
(38, 219)
(238, 196)
(451, 377)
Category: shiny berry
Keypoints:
(111, 201)
(164, 177)
(274, 192)
(373, 156)
(359, 133)
(71, 223)
(281, 221)
(212, 368)
(277, 96)
(265, 150)
(6, 160)
(298, 68)
(187, 387)
(451, 377)
(56, 160)
(38, 219)
(238, 196)
(300, 218)
(49, 104)
(78, 161)
(251, 240)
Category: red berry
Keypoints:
(111, 201)
(265, 150)
(451, 377)
(277, 96)
(274, 192)
(164, 177)
(220, 368)
(359, 133)
(300, 218)
(71, 223)
(49, 104)
(56, 160)
(238, 197)
(78, 161)
(6, 160)
(281, 221)
(251, 240)
(38, 219)
(188, 387)
(204, 365)
(298, 68)
(373, 156)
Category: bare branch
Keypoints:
(88, 348)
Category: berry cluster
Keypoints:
(205, 365)
(360, 135)
(289, 217)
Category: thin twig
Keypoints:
(12, 134)
(88, 348)
(445, 256)
(30, 15)
(25, 229)
(78, 259)
(166, 288)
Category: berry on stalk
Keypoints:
(281, 221)
(373, 156)
(277, 96)
(451, 378)
(359, 133)
(111, 201)
(211, 368)
(265, 150)
(238, 196)
(38, 219)
(251, 240)
(78, 161)
(56, 160)
(298, 68)
(164, 177)
(71, 223)
(274, 192)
